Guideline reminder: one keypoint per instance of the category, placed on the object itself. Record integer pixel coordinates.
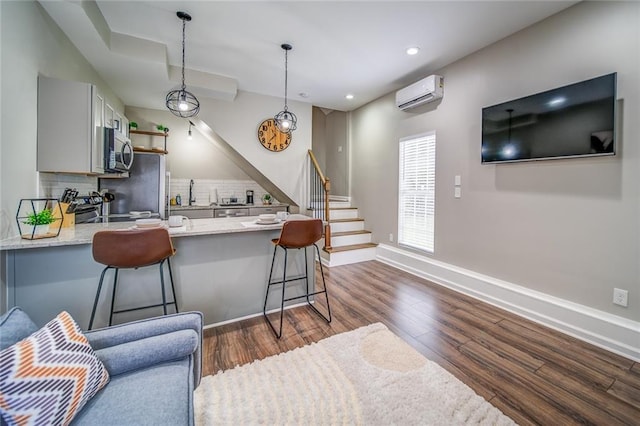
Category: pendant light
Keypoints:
(181, 102)
(190, 136)
(285, 120)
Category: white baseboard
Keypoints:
(602, 329)
(259, 314)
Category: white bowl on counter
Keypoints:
(148, 223)
(267, 218)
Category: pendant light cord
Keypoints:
(286, 73)
(184, 23)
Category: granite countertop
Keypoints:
(83, 233)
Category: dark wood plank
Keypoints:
(624, 413)
(534, 374)
(579, 410)
(626, 392)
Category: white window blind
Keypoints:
(416, 203)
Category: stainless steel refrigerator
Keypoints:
(144, 189)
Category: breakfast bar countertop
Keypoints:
(83, 233)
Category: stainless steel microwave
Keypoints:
(118, 152)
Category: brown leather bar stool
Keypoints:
(126, 249)
(297, 234)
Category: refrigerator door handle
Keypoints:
(168, 195)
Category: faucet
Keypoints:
(191, 199)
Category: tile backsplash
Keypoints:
(52, 185)
(205, 191)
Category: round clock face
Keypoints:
(271, 138)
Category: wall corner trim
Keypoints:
(613, 333)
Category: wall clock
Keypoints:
(271, 138)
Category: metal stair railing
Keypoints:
(319, 187)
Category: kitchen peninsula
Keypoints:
(220, 268)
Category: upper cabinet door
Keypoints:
(109, 117)
(97, 144)
(65, 126)
(71, 135)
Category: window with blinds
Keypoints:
(416, 202)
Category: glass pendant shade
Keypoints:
(181, 102)
(285, 120)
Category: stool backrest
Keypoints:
(300, 233)
(132, 248)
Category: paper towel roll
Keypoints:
(213, 195)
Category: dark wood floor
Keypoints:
(535, 375)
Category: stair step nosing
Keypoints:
(350, 247)
(348, 233)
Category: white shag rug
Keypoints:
(368, 376)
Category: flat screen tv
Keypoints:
(571, 121)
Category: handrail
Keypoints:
(317, 166)
(319, 187)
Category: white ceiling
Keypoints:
(339, 47)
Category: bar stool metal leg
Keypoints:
(113, 296)
(164, 297)
(284, 285)
(306, 273)
(95, 302)
(324, 284)
(273, 259)
(282, 299)
(173, 289)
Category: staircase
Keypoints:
(345, 239)
(350, 242)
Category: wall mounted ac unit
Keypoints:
(426, 90)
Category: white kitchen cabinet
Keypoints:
(109, 117)
(121, 124)
(71, 120)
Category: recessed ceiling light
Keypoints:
(413, 50)
(349, 96)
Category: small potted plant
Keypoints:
(267, 199)
(40, 221)
(161, 128)
(133, 125)
(39, 218)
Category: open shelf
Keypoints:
(153, 150)
(149, 133)
(146, 132)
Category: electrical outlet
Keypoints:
(620, 297)
(391, 237)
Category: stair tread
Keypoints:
(353, 219)
(342, 234)
(350, 247)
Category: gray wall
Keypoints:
(568, 228)
(338, 153)
(188, 159)
(31, 43)
(331, 147)
(319, 137)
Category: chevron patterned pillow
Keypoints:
(48, 377)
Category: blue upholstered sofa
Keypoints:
(154, 364)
